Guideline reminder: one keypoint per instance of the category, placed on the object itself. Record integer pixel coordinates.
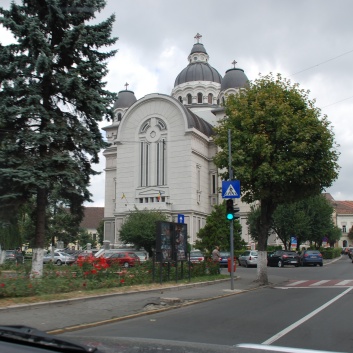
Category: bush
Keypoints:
(330, 253)
(92, 273)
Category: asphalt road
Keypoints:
(310, 310)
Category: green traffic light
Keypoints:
(230, 216)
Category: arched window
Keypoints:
(223, 101)
(180, 99)
(210, 98)
(199, 98)
(153, 152)
(119, 117)
(189, 98)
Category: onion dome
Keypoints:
(198, 69)
(125, 99)
(198, 72)
(234, 78)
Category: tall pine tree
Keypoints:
(52, 96)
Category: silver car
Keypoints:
(59, 258)
(143, 255)
(248, 258)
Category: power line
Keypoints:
(323, 62)
(337, 102)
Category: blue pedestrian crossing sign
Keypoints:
(231, 189)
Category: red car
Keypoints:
(123, 258)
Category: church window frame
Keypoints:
(199, 98)
(145, 126)
(213, 183)
(189, 97)
(180, 99)
(210, 98)
(119, 117)
(153, 154)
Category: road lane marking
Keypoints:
(343, 283)
(263, 347)
(296, 283)
(319, 283)
(305, 318)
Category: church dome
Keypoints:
(198, 69)
(198, 48)
(125, 99)
(234, 78)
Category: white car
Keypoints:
(143, 255)
(59, 258)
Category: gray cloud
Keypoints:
(156, 36)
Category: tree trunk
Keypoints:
(37, 257)
(267, 209)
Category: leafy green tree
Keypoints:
(139, 229)
(84, 237)
(216, 232)
(253, 222)
(100, 232)
(334, 235)
(52, 97)
(283, 150)
(291, 220)
(319, 211)
(308, 220)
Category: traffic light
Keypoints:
(230, 209)
(236, 213)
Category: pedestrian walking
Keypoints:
(216, 256)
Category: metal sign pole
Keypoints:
(231, 225)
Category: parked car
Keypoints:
(223, 260)
(10, 255)
(59, 258)
(311, 257)
(14, 255)
(248, 258)
(143, 255)
(196, 256)
(281, 258)
(123, 258)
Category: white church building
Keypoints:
(161, 149)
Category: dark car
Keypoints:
(123, 258)
(281, 258)
(14, 255)
(311, 257)
(223, 260)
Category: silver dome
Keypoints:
(125, 99)
(234, 78)
(199, 71)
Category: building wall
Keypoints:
(188, 159)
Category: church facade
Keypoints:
(161, 149)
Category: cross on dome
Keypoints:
(234, 62)
(198, 37)
(126, 85)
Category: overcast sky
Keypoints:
(307, 41)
